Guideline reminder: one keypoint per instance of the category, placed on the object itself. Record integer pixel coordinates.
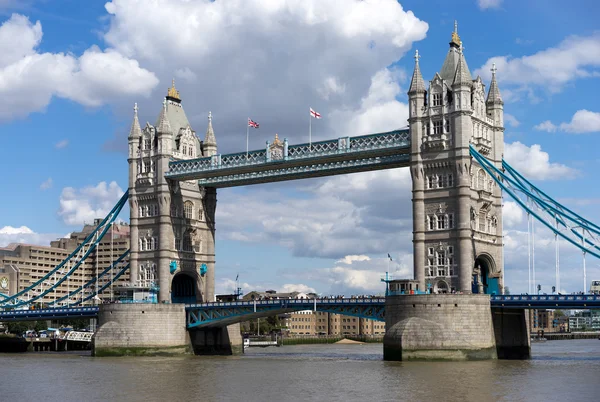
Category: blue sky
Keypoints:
(71, 70)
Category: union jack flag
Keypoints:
(252, 123)
(314, 114)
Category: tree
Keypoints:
(559, 313)
(76, 323)
(18, 327)
(40, 326)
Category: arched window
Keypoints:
(144, 244)
(481, 179)
(200, 215)
(482, 221)
(141, 245)
(188, 209)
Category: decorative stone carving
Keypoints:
(436, 208)
(276, 149)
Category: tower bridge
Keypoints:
(454, 149)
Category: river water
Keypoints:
(559, 371)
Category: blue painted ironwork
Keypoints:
(50, 281)
(282, 173)
(103, 287)
(49, 314)
(172, 267)
(579, 302)
(203, 269)
(220, 314)
(92, 281)
(323, 158)
(580, 232)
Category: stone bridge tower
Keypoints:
(172, 223)
(457, 207)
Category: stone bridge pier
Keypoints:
(158, 329)
(453, 327)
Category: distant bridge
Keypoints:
(219, 314)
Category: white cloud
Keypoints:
(546, 126)
(521, 41)
(378, 111)
(354, 212)
(268, 59)
(229, 286)
(84, 205)
(46, 184)
(186, 74)
(331, 86)
(61, 144)
(24, 234)
(511, 120)
(290, 287)
(366, 276)
(349, 259)
(583, 121)
(552, 68)
(534, 163)
(31, 78)
(512, 214)
(485, 4)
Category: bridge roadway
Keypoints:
(218, 314)
(280, 161)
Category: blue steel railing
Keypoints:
(50, 313)
(338, 146)
(546, 298)
(304, 302)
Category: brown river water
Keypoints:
(558, 371)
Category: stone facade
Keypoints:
(127, 329)
(457, 207)
(172, 223)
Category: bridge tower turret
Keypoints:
(417, 97)
(456, 207)
(172, 224)
(135, 136)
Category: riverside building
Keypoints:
(22, 265)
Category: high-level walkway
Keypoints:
(280, 161)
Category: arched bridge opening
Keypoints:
(183, 289)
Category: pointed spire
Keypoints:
(462, 75)
(136, 130)
(172, 93)
(455, 41)
(210, 139)
(417, 85)
(494, 92)
(163, 121)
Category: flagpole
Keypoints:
(247, 132)
(309, 130)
